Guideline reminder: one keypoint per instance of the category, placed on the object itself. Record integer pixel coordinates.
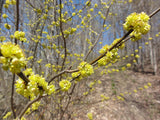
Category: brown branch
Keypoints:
(1, 8)
(64, 39)
(124, 37)
(81, 9)
(12, 93)
(23, 77)
(62, 72)
(17, 19)
(30, 4)
(122, 40)
(70, 96)
(154, 12)
(115, 45)
(151, 15)
(36, 46)
(28, 105)
(125, 40)
(85, 58)
(0, 53)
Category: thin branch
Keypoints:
(125, 40)
(28, 105)
(85, 58)
(76, 13)
(17, 19)
(0, 53)
(12, 93)
(151, 15)
(62, 72)
(124, 37)
(30, 4)
(154, 12)
(1, 8)
(122, 40)
(23, 77)
(36, 46)
(70, 96)
(64, 39)
(115, 45)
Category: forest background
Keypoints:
(58, 36)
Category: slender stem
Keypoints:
(85, 58)
(124, 37)
(23, 77)
(28, 105)
(154, 12)
(115, 45)
(0, 52)
(17, 19)
(76, 13)
(64, 39)
(36, 46)
(62, 72)
(12, 93)
(70, 96)
(30, 4)
(1, 7)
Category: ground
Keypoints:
(129, 96)
(125, 95)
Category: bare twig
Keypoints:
(124, 37)
(23, 77)
(1, 7)
(17, 19)
(0, 52)
(122, 40)
(81, 9)
(28, 105)
(12, 93)
(151, 15)
(4, 112)
(70, 96)
(91, 49)
(27, 1)
(154, 12)
(62, 72)
(64, 39)
(115, 45)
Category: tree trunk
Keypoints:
(155, 61)
(1, 8)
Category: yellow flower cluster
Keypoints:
(139, 23)
(2, 38)
(12, 57)
(70, 31)
(111, 56)
(7, 115)
(9, 2)
(104, 49)
(90, 116)
(85, 70)
(36, 85)
(104, 97)
(116, 41)
(20, 36)
(65, 85)
(4, 16)
(7, 26)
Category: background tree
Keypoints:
(64, 41)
